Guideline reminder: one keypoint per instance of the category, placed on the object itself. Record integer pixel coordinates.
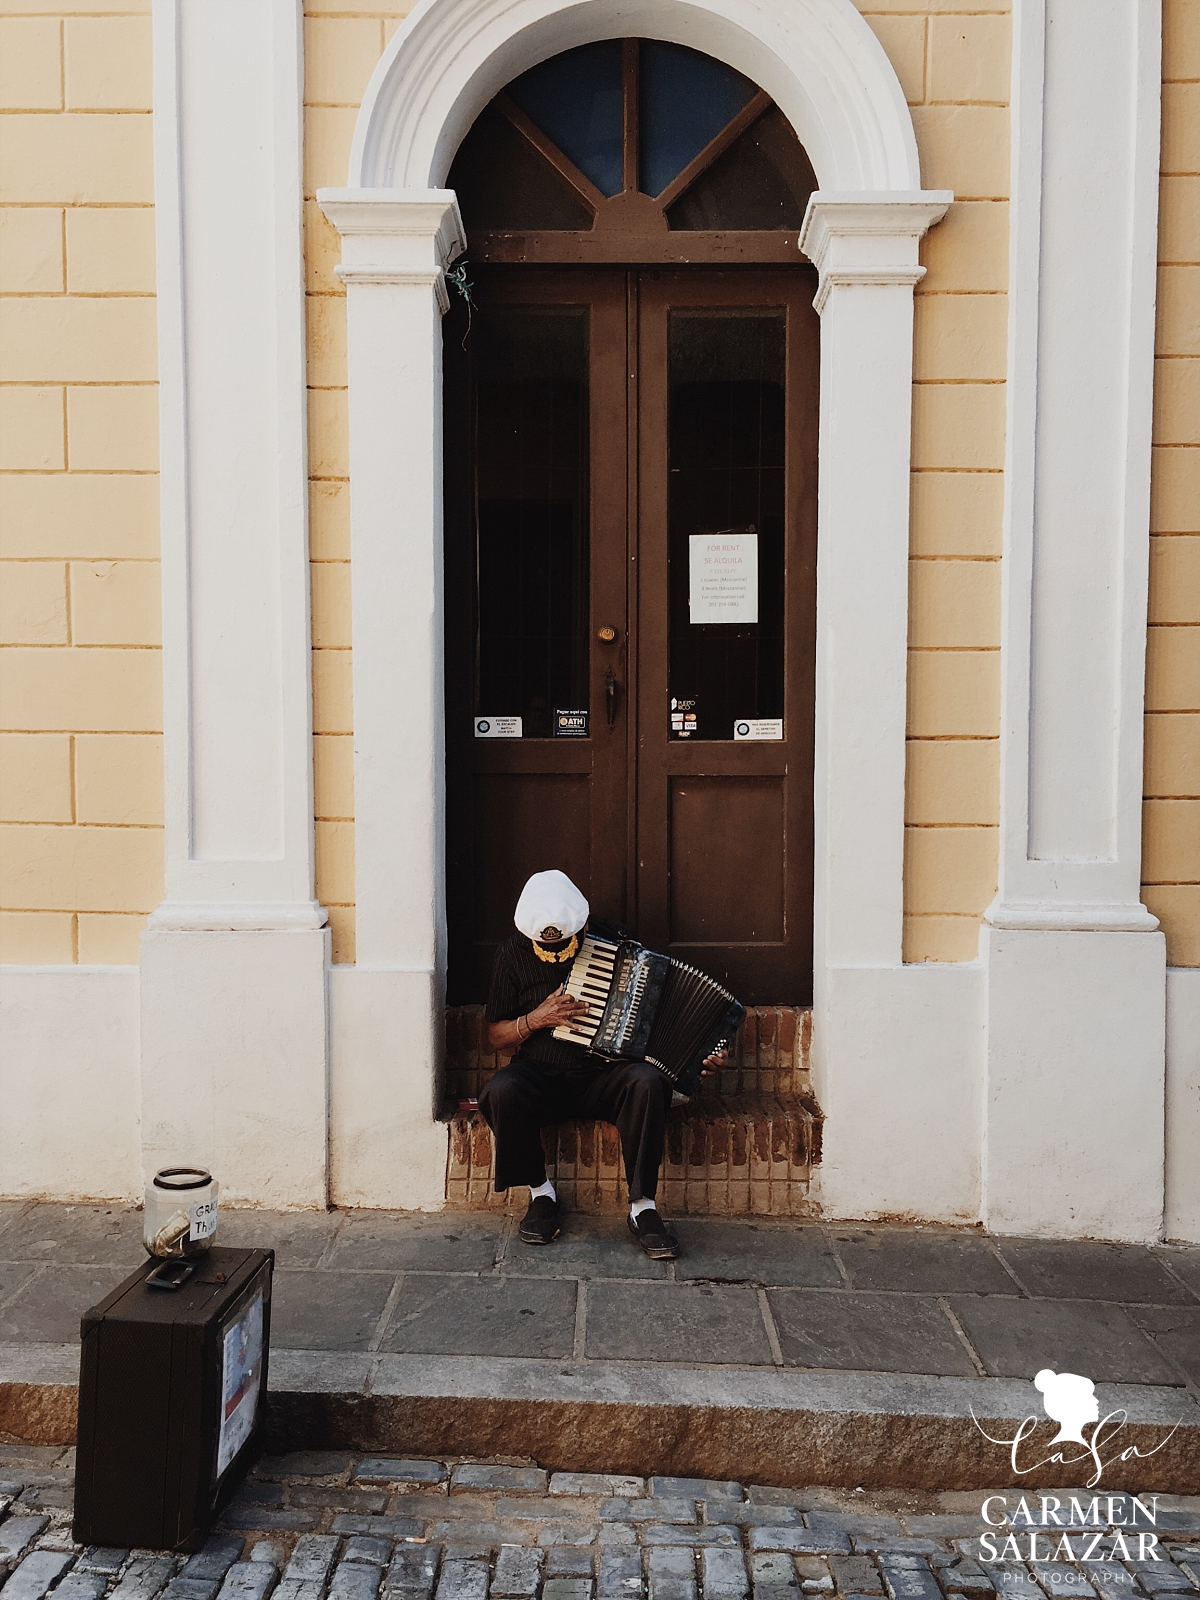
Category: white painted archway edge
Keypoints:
(828, 73)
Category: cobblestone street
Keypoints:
(314, 1525)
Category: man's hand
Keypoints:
(715, 1062)
(556, 1010)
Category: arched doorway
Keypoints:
(630, 514)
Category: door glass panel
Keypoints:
(531, 514)
(726, 472)
(762, 181)
(576, 99)
(686, 99)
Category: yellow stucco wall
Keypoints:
(80, 683)
(1171, 813)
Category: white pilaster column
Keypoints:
(1075, 968)
(386, 1147)
(865, 247)
(233, 961)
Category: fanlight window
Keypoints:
(632, 150)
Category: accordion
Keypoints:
(647, 1007)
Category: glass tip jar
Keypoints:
(181, 1212)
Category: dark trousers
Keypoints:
(523, 1098)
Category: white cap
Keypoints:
(550, 908)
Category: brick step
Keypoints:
(745, 1146)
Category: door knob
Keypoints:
(606, 635)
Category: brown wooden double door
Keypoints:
(630, 611)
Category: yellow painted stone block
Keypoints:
(116, 602)
(953, 605)
(904, 40)
(328, 434)
(1175, 490)
(339, 57)
(949, 870)
(335, 862)
(953, 781)
(968, 249)
(76, 7)
(63, 339)
(80, 869)
(1173, 669)
(1179, 219)
(1177, 332)
(30, 64)
(1172, 760)
(33, 603)
(1177, 400)
(1175, 578)
(35, 777)
(932, 7)
(1171, 841)
(322, 251)
(957, 513)
(964, 148)
(960, 336)
(341, 928)
(328, 134)
(331, 614)
(941, 938)
(119, 778)
(32, 431)
(77, 159)
(333, 693)
(37, 938)
(109, 940)
(953, 694)
(110, 250)
(1180, 127)
(969, 59)
(326, 340)
(1178, 910)
(101, 515)
(31, 250)
(113, 428)
(93, 690)
(958, 425)
(1181, 39)
(329, 519)
(333, 776)
(108, 64)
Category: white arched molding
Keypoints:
(828, 73)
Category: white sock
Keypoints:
(546, 1189)
(636, 1207)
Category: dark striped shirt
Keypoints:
(520, 982)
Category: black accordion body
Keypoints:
(647, 1007)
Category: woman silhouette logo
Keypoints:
(1068, 1400)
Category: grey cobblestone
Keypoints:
(364, 1547)
(412, 1571)
(267, 1550)
(672, 1574)
(214, 1558)
(17, 1533)
(298, 1589)
(192, 1589)
(379, 1527)
(1012, 1581)
(653, 1509)
(908, 1579)
(616, 1534)
(530, 1506)
(856, 1575)
(483, 1536)
(355, 1580)
(571, 1561)
(1057, 1578)
(463, 1580)
(36, 1574)
(384, 1469)
(749, 1515)
(697, 1488)
(602, 1484)
(885, 1545)
(552, 1533)
(815, 1576)
(1162, 1577)
(312, 1558)
(262, 1519)
(659, 1533)
(325, 1498)
(100, 1559)
(801, 1541)
(964, 1576)
(506, 1479)
(81, 1586)
(567, 1589)
(724, 1574)
(249, 1580)
(518, 1569)
(143, 1578)
(620, 1574)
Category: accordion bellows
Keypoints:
(643, 1006)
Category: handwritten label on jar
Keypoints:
(203, 1219)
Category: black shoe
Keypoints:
(539, 1225)
(651, 1232)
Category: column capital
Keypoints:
(869, 237)
(396, 236)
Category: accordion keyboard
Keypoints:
(590, 980)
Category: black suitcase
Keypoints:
(172, 1390)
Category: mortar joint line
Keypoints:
(385, 1316)
(961, 1334)
(768, 1322)
(1165, 1262)
(579, 1346)
(1003, 1260)
(836, 1254)
(342, 1221)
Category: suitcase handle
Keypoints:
(171, 1275)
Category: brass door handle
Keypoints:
(606, 635)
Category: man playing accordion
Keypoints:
(553, 1080)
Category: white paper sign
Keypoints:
(497, 727)
(758, 728)
(241, 1379)
(203, 1218)
(723, 573)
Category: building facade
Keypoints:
(239, 765)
